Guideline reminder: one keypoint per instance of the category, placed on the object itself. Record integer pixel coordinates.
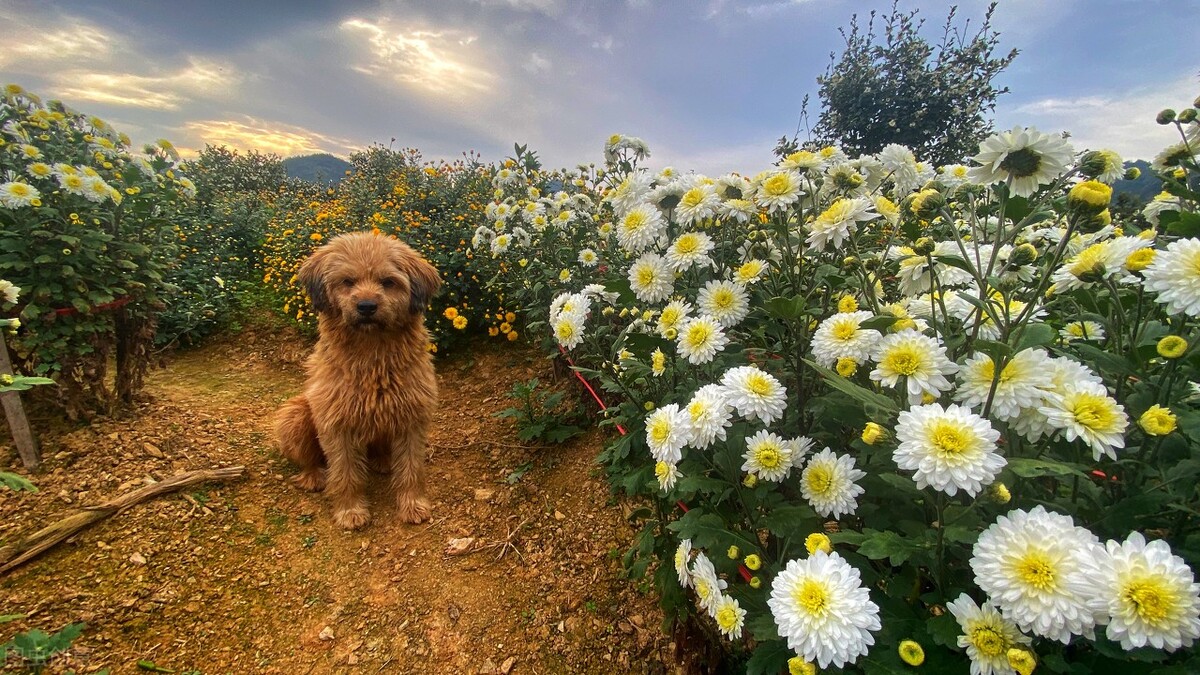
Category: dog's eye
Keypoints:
(388, 283)
(347, 282)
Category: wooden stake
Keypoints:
(15, 412)
(47, 537)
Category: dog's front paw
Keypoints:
(414, 510)
(351, 519)
(312, 480)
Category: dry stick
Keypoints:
(41, 541)
(18, 423)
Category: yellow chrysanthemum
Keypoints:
(1157, 421)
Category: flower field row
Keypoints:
(936, 415)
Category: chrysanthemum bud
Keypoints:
(818, 541)
(1165, 116)
(847, 304)
(998, 492)
(1090, 196)
(1022, 255)
(752, 562)
(1096, 222)
(732, 553)
(846, 366)
(911, 652)
(1021, 660)
(926, 204)
(5, 379)
(1092, 164)
(850, 262)
(1187, 116)
(924, 246)
(1094, 274)
(1133, 173)
(1172, 347)
(1157, 421)
(1140, 259)
(871, 433)
(798, 666)
(755, 582)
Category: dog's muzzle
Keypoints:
(366, 308)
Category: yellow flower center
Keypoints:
(844, 330)
(698, 334)
(669, 317)
(949, 439)
(1093, 411)
(758, 384)
(660, 431)
(846, 366)
(813, 597)
(837, 212)
(703, 590)
(769, 456)
(634, 221)
(778, 185)
(688, 243)
(1153, 602)
(818, 478)
(1139, 259)
(989, 641)
(565, 330)
(693, 197)
(1036, 570)
(645, 276)
(727, 617)
(1089, 259)
(723, 298)
(905, 360)
(19, 189)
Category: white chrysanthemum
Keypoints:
(738, 210)
(921, 360)
(96, 189)
(14, 195)
(9, 291)
(1175, 277)
(568, 329)
(725, 301)
(802, 160)
(823, 610)
(1163, 201)
(690, 248)
(954, 175)
(683, 559)
(768, 457)
(1082, 330)
(668, 429)
(700, 338)
(755, 394)
(900, 162)
(696, 204)
(916, 275)
(632, 191)
(710, 415)
(640, 227)
(1151, 595)
(730, 617)
(950, 448)
(574, 303)
(801, 445)
(1026, 157)
(672, 317)
(987, 636)
(778, 190)
(706, 582)
(588, 258)
(828, 484)
(750, 272)
(1023, 384)
(651, 278)
(1065, 374)
(1102, 260)
(501, 243)
(840, 337)
(839, 221)
(1085, 410)
(1036, 565)
(667, 475)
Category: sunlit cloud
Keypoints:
(428, 60)
(200, 79)
(550, 7)
(1122, 121)
(265, 136)
(32, 40)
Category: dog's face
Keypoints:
(368, 281)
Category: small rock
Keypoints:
(152, 450)
(460, 546)
(483, 494)
(352, 660)
(488, 668)
(562, 626)
(326, 634)
(558, 515)
(637, 620)
(508, 664)
(137, 559)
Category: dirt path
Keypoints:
(252, 576)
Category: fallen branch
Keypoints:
(46, 538)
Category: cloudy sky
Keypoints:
(709, 84)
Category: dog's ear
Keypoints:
(312, 276)
(423, 278)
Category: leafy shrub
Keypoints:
(540, 414)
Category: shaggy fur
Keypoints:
(371, 390)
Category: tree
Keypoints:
(934, 99)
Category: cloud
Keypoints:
(421, 59)
(169, 91)
(32, 41)
(767, 9)
(267, 136)
(1122, 121)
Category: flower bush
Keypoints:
(87, 230)
(430, 206)
(888, 415)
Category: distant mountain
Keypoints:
(1144, 188)
(322, 168)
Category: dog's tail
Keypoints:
(296, 435)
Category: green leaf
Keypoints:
(880, 323)
(1026, 467)
(16, 483)
(769, 658)
(878, 545)
(786, 308)
(1036, 335)
(1187, 225)
(855, 391)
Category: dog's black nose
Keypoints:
(366, 307)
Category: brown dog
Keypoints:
(371, 389)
